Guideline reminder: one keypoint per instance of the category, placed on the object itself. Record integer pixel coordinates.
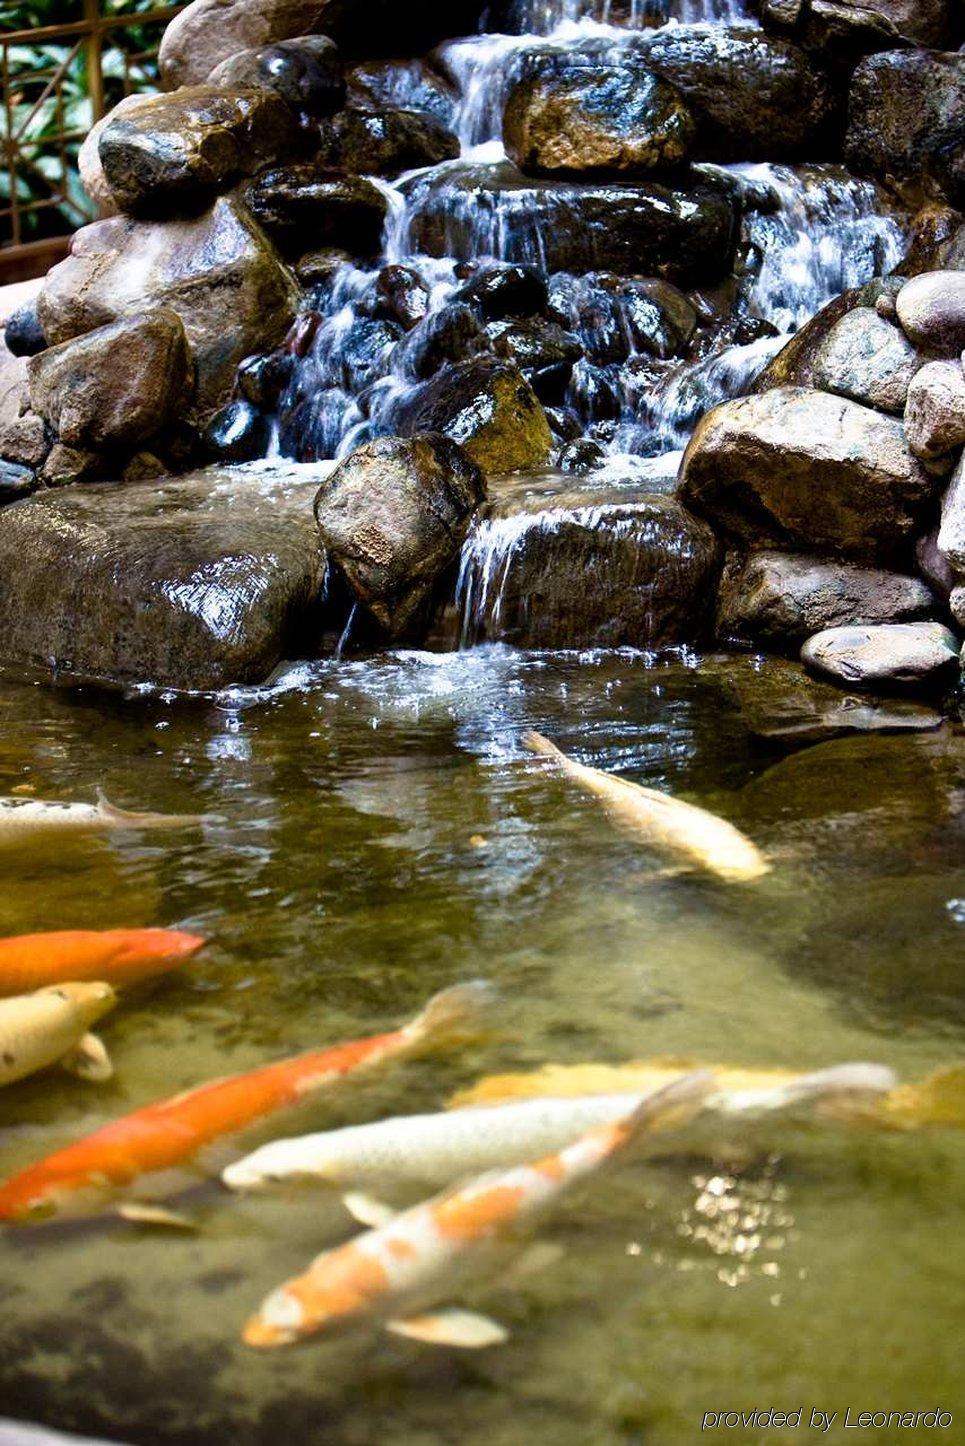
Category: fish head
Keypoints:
(340, 1289)
(91, 999)
(155, 949)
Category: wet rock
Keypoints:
(305, 72)
(24, 439)
(501, 289)
(367, 352)
(393, 517)
(862, 25)
(620, 316)
(217, 273)
(587, 566)
(485, 405)
(603, 119)
(384, 143)
(931, 309)
(892, 655)
(581, 456)
(194, 582)
(543, 351)
(65, 465)
(117, 386)
(905, 118)
(935, 414)
(402, 85)
(867, 359)
(293, 202)
(951, 533)
(799, 468)
(784, 597)
(933, 234)
(23, 333)
(318, 268)
(756, 97)
(451, 335)
(16, 482)
(237, 433)
(794, 364)
(175, 153)
(262, 379)
(403, 295)
(683, 232)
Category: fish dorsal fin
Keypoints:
(367, 1210)
(88, 1060)
(464, 1329)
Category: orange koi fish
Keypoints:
(117, 956)
(170, 1132)
(394, 1273)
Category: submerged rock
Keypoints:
(485, 405)
(568, 565)
(393, 516)
(384, 143)
(867, 359)
(118, 386)
(575, 118)
(305, 72)
(905, 118)
(190, 582)
(175, 153)
(802, 468)
(217, 273)
(901, 655)
(785, 597)
(294, 202)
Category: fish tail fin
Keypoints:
(842, 1079)
(536, 743)
(455, 1016)
(673, 1105)
(125, 818)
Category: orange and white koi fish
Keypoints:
(51, 1027)
(170, 1132)
(21, 817)
(119, 956)
(394, 1274)
(690, 835)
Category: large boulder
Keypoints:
(218, 273)
(188, 582)
(866, 358)
(863, 25)
(795, 363)
(485, 405)
(604, 119)
(305, 72)
(573, 565)
(756, 97)
(906, 118)
(892, 655)
(294, 204)
(685, 231)
(798, 468)
(118, 386)
(935, 414)
(393, 517)
(384, 143)
(175, 153)
(785, 597)
(931, 309)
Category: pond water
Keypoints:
(380, 834)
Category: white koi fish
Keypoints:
(394, 1274)
(687, 833)
(439, 1148)
(20, 817)
(51, 1027)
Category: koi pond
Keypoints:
(376, 832)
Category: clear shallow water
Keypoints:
(381, 835)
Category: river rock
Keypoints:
(384, 143)
(581, 565)
(16, 481)
(543, 351)
(800, 468)
(452, 334)
(118, 386)
(951, 533)
(794, 364)
(785, 597)
(218, 273)
(174, 153)
(292, 202)
(862, 25)
(393, 517)
(23, 334)
(867, 359)
(237, 433)
(621, 316)
(935, 414)
(191, 582)
(486, 406)
(683, 232)
(931, 309)
(305, 72)
(403, 295)
(756, 97)
(500, 289)
(920, 655)
(405, 85)
(905, 118)
(607, 119)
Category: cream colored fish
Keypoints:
(21, 817)
(439, 1148)
(680, 830)
(51, 1027)
(392, 1275)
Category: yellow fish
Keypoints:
(686, 833)
(51, 1027)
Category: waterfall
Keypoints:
(542, 17)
